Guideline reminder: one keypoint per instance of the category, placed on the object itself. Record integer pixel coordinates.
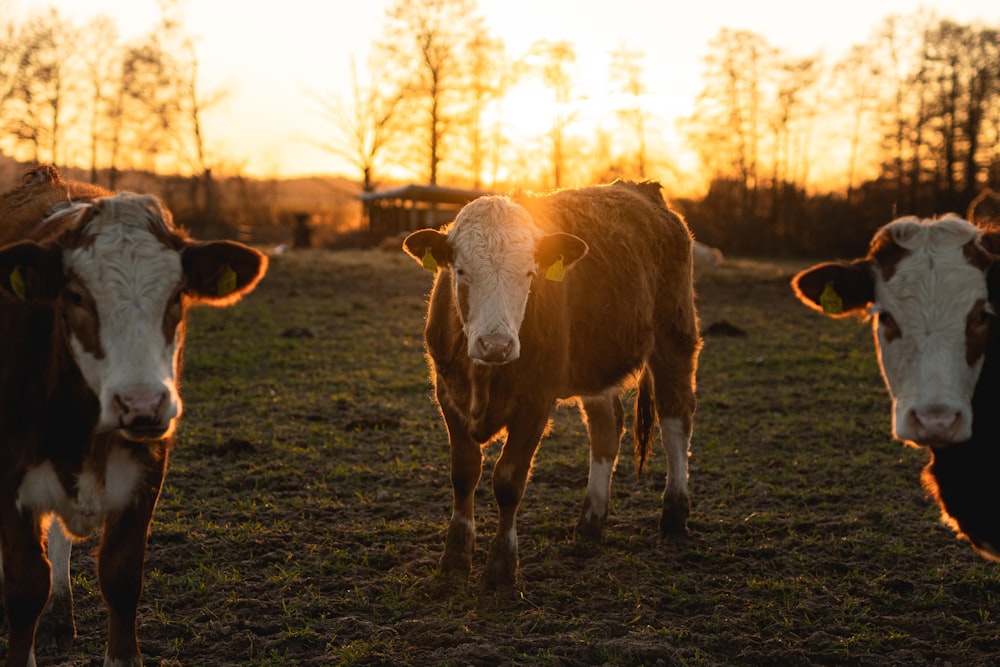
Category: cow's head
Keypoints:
(119, 280)
(495, 253)
(925, 282)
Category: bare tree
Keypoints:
(41, 86)
(627, 72)
(425, 41)
(365, 125)
(553, 61)
(101, 59)
(791, 112)
(858, 77)
(727, 126)
(488, 75)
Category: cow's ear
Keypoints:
(219, 273)
(990, 240)
(985, 209)
(429, 247)
(556, 253)
(837, 289)
(30, 272)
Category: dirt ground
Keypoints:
(308, 497)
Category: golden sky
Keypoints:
(271, 54)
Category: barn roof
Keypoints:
(424, 193)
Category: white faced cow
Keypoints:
(554, 297)
(926, 282)
(93, 292)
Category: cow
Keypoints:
(705, 258)
(94, 287)
(932, 288)
(560, 296)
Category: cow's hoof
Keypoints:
(673, 520)
(57, 624)
(589, 529)
(458, 547)
(500, 574)
(590, 526)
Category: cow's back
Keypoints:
(41, 192)
(635, 277)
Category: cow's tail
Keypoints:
(645, 418)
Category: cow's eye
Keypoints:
(983, 317)
(888, 324)
(74, 296)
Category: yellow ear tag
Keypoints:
(830, 301)
(227, 281)
(429, 262)
(557, 271)
(17, 283)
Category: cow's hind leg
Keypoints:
(510, 476)
(466, 469)
(673, 367)
(57, 622)
(605, 419)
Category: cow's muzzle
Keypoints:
(937, 425)
(494, 349)
(144, 413)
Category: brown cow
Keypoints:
(93, 293)
(548, 298)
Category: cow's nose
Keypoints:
(937, 424)
(493, 348)
(140, 407)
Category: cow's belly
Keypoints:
(82, 509)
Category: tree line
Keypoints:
(79, 95)
(801, 154)
(798, 154)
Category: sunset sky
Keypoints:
(272, 54)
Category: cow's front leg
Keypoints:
(57, 621)
(605, 418)
(510, 475)
(25, 581)
(466, 469)
(121, 559)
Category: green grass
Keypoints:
(309, 491)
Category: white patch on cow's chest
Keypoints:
(81, 510)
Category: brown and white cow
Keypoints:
(931, 287)
(93, 293)
(548, 298)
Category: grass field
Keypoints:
(309, 492)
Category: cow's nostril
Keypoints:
(135, 406)
(937, 423)
(493, 347)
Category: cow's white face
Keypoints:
(931, 323)
(493, 265)
(119, 279)
(123, 311)
(495, 253)
(925, 282)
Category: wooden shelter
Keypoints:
(411, 207)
